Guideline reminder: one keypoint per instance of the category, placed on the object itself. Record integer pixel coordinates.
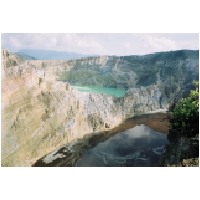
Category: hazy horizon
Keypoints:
(119, 44)
(78, 53)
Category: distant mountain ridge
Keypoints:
(39, 54)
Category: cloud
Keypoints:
(101, 43)
(159, 43)
(61, 42)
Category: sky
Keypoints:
(101, 43)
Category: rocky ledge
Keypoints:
(68, 154)
(192, 162)
(40, 113)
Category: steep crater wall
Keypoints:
(170, 71)
(40, 112)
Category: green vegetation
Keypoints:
(185, 115)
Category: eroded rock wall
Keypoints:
(40, 113)
(173, 72)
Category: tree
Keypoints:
(184, 118)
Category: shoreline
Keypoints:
(67, 155)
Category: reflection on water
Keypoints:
(139, 146)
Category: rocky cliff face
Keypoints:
(181, 151)
(172, 72)
(40, 113)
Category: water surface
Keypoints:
(117, 92)
(139, 141)
(140, 146)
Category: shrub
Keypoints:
(184, 120)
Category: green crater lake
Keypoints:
(117, 92)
